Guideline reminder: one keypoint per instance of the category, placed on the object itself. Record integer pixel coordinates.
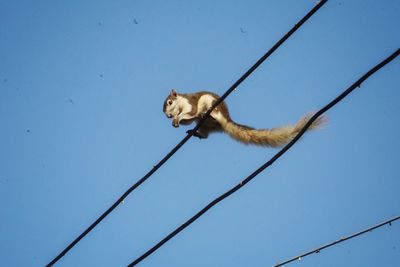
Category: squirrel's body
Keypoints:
(187, 108)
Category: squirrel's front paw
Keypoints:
(175, 123)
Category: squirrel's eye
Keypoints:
(169, 102)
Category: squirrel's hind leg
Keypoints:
(199, 134)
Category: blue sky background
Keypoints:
(81, 90)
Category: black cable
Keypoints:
(268, 163)
(188, 136)
(318, 250)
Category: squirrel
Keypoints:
(187, 108)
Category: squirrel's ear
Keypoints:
(173, 93)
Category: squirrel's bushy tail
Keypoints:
(275, 137)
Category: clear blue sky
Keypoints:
(81, 90)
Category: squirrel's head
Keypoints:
(170, 107)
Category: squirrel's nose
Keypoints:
(169, 116)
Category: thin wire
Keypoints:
(260, 61)
(268, 163)
(189, 135)
(318, 250)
